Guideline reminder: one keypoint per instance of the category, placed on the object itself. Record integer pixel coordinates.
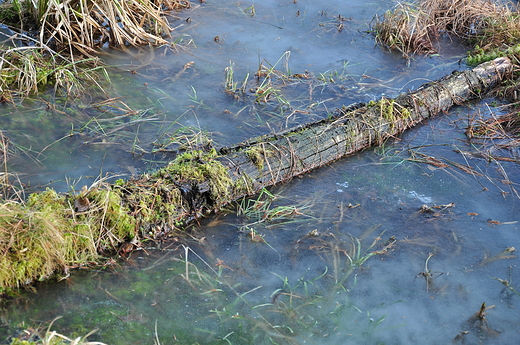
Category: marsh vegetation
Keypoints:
(417, 226)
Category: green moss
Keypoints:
(201, 166)
(115, 218)
(244, 185)
(480, 55)
(257, 155)
(45, 236)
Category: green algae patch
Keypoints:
(46, 235)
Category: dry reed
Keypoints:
(413, 28)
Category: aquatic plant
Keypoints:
(46, 336)
(231, 86)
(299, 309)
(269, 81)
(182, 139)
(260, 210)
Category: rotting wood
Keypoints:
(198, 182)
(51, 232)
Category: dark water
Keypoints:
(377, 248)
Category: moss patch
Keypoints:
(257, 155)
(199, 166)
(480, 55)
(46, 235)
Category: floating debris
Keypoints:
(505, 254)
(428, 274)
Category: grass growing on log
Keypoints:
(390, 110)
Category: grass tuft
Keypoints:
(412, 28)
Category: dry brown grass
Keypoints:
(69, 31)
(407, 28)
(84, 25)
(413, 28)
(482, 22)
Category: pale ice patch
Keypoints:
(341, 184)
(421, 197)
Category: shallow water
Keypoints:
(303, 278)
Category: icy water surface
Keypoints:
(401, 244)
(164, 89)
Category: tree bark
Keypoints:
(199, 182)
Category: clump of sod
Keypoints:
(406, 28)
(50, 233)
(28, 69)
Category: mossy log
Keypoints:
(198, 182)
(52, 232)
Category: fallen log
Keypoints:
(52, 232)
(198, 182)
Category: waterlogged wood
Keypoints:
(54, 232)
(198, 182)
(279, 157)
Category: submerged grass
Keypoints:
(40, 335)
(299, 309)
